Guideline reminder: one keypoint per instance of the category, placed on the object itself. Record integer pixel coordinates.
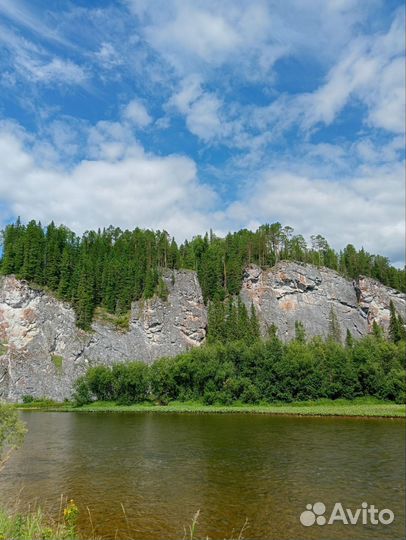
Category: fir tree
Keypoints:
(300, 332)
(396, 325)
(349, 340)
(334, 330)
(377, 330)
(254, 323)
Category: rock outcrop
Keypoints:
(42, 352)
(291, 292)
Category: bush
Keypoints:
(264, 371)
(130, 382)
(82, 394)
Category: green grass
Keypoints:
(365, 407)
(3, 348)
(36, 525)
(121, 323)
(33, 525)
(57, 362)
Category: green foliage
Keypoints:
(3, 348)
(111, 268)
(36, 524)
(82, 393)
(257, 371)
(397, 330)
(334, 330)
(130, 383)
(12, 432)
(57, 362)
(119, 322)
(229, 321)
(162, 290)
(300, 332)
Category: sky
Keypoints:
(190, 115)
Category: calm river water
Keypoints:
(163, 468)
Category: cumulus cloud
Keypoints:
(370, 70)
(137, 190)
(123, 185)
(365, 208)
(136, 113)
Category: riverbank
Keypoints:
(362, 407)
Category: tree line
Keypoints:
(111, 268)
(263, 371)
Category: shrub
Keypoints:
(263, 371)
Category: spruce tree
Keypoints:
(349, 340)
(300, 332)
(377, 330)
(254, 323)
(334, 330)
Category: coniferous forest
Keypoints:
(111, 268)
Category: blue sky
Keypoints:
(190, 115)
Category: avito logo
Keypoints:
(368, 514)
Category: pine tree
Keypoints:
(85, 297)
(216, 322)
(254, 323)
(64, 286)
(33, 265)
(377, 330)
(349, 340)
(334, 330)
(300, 332)
(396, 325)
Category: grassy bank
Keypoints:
(365, 407)
(35, 524)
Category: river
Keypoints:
(163, 468)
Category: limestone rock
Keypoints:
(42, 352)
(291, 292)
(38, 333)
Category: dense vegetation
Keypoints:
(263, 371)
(111, 268)
(12, 432)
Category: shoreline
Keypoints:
(361, 408)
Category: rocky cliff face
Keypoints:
(42, 352)
(292, 292)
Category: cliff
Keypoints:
(42, 352)
(291, 292)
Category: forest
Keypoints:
(259, 371)
(110, 268)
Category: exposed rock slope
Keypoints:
(42, 352)
(292, 292)
(45, 352)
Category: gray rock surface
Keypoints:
(42, 352)
(291, 292)
(37, 331)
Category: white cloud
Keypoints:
(35, 64)
(370, 70)
(107, 56)
(137, 189)
(125, 186)
(136, 113)
(365, 208)
(202, 110)
(19, 13)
